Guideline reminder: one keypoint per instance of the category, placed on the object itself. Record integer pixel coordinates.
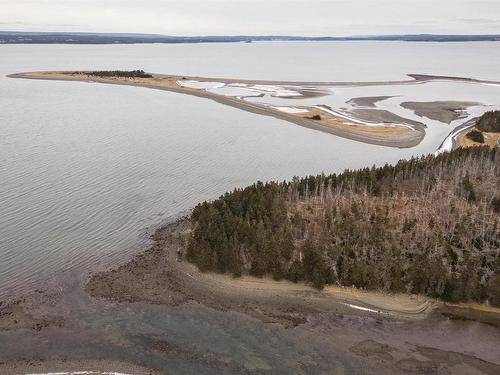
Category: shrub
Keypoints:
(120, 73)
(315, 117)
(475, 136)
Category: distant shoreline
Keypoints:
(13, 37)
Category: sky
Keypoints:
(254, 17)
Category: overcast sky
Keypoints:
(231, 17)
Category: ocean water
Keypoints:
(87, 171)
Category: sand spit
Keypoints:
(397, 132)
(73, 367)
(443, 111)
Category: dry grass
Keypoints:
(340, 123)
(490, 139)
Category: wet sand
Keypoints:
(15, 316)
(368, 101)
(394, 135)
(443, 111)
(382, 115)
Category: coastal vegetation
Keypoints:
(427, 225)
(119, 73)
(315, 117)
(489, 122)
(476, 136)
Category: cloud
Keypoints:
(306, 17)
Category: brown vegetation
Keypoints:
(427, 226)
(489, 122)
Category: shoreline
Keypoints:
(455, 138)
(392, 135)
(160, 276)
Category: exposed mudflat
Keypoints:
(367, 101)
(386, 116)
(16, 314)
(443, 111)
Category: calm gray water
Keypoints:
(87, 170)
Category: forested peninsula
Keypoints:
(428, 225)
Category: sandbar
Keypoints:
(394, 135)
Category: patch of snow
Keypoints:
(363, 308)
(78, 373)
(290, 109)
(275, 90)
(349, 118)
(202, 85)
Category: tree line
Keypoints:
(489, 122)
(119, 73)
(427, 225)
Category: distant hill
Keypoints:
(12, 37)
